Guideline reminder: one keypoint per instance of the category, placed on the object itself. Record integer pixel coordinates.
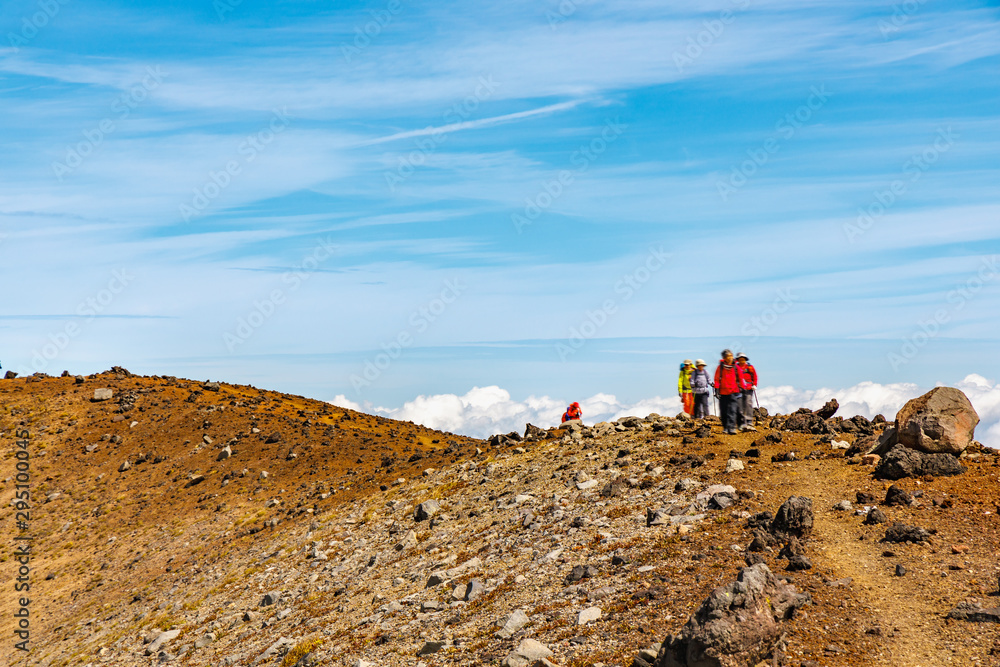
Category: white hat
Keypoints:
(700, 362)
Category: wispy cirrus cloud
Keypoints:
(688, 125)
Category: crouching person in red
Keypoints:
(727, 388)
(572, 412)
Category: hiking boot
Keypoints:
(749, 428)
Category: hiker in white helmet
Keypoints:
(701, 386)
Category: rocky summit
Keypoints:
(181, 522)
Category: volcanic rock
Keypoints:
(739, 624)
(794, 518)
(903, 462)
(897, 496)
(874, 516)
(828, 410)
(973, 611)
(899, 532)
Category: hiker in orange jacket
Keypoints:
(727, 389)
(572, 412)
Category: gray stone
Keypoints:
(514, 660)
(717, 497)
(532, 650)
(686, 519)
(103, 394)
(430, 648)
(408, 542)
(517, 620)
(426, 510)
(274, 649)
(224, 454)
(270, 599)
(580, 572)
(194, 480)
(473, 590)
(588, 615)
(161, 639)
(686, 484)
(657, 517)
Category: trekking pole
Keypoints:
(755, 398)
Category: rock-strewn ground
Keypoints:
(593, 543)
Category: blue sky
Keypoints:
(556, 198)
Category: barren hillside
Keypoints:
(158, 537)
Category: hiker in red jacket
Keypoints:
(748, 384)
(728, 391)
(573, 412)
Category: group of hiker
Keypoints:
(734, 385)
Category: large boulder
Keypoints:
(942, 421)
(738, 625)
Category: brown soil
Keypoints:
(111, 535)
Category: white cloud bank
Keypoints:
(484, 411)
